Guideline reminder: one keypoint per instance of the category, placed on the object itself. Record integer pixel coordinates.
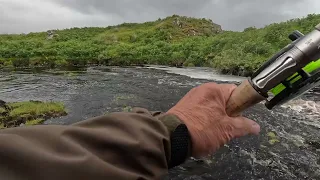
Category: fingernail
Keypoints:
(255, 128)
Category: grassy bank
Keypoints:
(29, 113)
(175, 40)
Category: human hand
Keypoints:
(203, 110)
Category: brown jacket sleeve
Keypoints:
(116, 146)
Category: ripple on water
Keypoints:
(103, 90)
(308, 111)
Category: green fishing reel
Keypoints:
(293, 71)
(296, 85)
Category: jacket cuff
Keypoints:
(181, 145)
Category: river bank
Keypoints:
(173, 41)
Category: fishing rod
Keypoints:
(288, 74)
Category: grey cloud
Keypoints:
(123, 7)
(231, 14)
(39, 15)
(244, 13)
(137, 10)
(18, 16)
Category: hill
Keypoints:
(175, 40)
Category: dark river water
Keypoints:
(95, 91)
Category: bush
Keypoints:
(2, 61)
(8, 63)
(20, 62)
(164, 42)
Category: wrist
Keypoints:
(180, 140)
(195, 130)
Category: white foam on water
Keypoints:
(309, 109)
(199, 73)
(303, 106)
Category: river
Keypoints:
(89, 92)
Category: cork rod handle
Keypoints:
(243, 97)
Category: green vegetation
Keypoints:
(121, 97)
(29, 113)
(34, 122)
(175, 41)
(273, 138)
(127, 109)
(2, 110)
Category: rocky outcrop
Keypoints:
(177, 22)
(215, 27)
(51, 34)
(195, 27)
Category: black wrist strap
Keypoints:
(180, 145)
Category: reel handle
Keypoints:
(243, 97)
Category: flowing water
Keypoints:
(287, 148)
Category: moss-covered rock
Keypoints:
(29, 112)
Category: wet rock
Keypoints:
(314, 144)
(194, 178)
(2, 103)
(206, 176)
(197, 160)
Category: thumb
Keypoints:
(244, 126)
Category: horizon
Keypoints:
(17, 16)
(68, 28)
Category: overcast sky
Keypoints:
(23, 16)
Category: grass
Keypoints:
(35, 108)
(30, 113)
(35, 122)
(2, 110)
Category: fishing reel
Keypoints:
(291, 72)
